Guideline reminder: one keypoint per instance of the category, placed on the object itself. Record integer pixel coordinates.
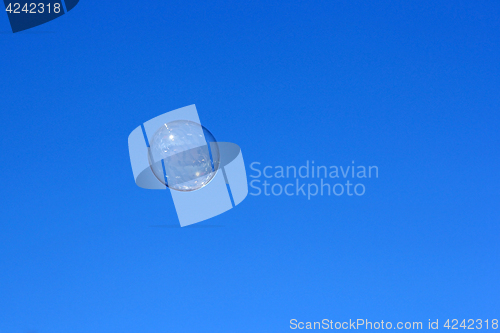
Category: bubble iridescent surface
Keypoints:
(183, 155)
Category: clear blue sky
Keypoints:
(410, 86)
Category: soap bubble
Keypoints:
(183, 155)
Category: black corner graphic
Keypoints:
(27, 14)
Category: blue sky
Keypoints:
(412, 87)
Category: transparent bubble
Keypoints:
(183, 155)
